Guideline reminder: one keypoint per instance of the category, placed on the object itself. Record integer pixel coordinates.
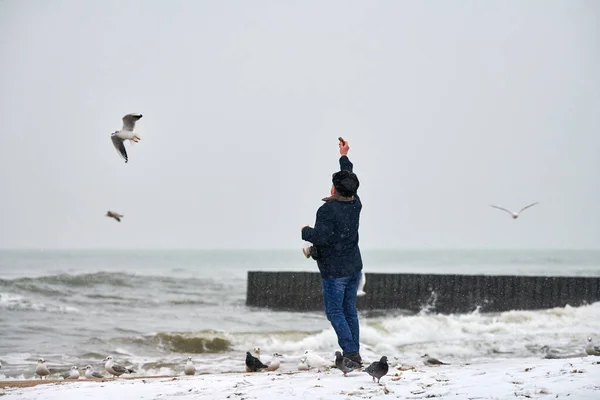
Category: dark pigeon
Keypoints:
(378, 369)
(345, 364)
(253, 363)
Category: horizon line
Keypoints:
(223, 249)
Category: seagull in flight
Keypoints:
(515, 215)
(126, 133)
(114, 215)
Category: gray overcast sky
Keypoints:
(448, 107)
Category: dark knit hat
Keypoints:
(346, 183)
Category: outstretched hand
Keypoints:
(344, 147)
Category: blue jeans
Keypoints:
(339, 296)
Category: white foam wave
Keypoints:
(461, 337)
(15, 302)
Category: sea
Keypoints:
(152, 309)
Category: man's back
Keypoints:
(340, 255)
(335, 235)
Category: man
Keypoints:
(335, 248)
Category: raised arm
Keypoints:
(345, 164)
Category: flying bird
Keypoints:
(515, 215)
(126, 133)
(114, 215)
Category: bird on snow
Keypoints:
(72, 374)
(41, 369)
(90, 373)
(126, 133)
(274, 364)
(592, 350)
(378, 369)
(112, 214)
(302, 364)
(427, 360)
(189, 367)
(314, 360)
(345, 364)
(115, 369)
(514, 215)
(253, 364)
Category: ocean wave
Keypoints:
(59, 285)
(81, 280)
(192, 343)
(13, 302)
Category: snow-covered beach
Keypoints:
(573, 378)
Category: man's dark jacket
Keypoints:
(335, 235)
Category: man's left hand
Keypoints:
(305, 226)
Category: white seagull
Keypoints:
(41, 369)
(592, 350)
(302, 364)
(90, 373)
(72, 374)
(515, 215)
(314, 360)
(126, 133)
(274, 364)
(115, 369)
(189, 367)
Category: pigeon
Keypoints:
(315, 361)
(90, 373)
(592, 350)
(126, 133)
(345, 364)
(253, 364)
(515, 215)
(255, 353)
(114, 215)
(361, 285)
(115, 369)
(378, 369)
(72, 374)
(274, 364)
(431, 360)
(302, 365)
(189, 367)
(41, 369)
